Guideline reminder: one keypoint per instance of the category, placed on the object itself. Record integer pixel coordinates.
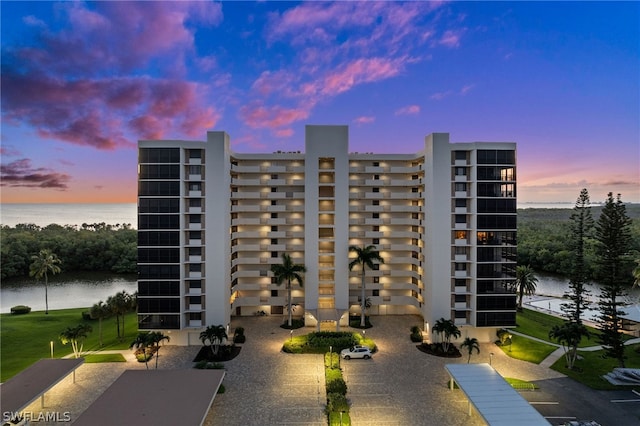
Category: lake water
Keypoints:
(77, 293)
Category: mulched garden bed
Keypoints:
(225, 353)
(436, 350)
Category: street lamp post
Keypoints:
(51, 343)
(490, 358)
(291, 336)
(510, 342)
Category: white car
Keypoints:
(358, 351)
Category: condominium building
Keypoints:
(211, 222)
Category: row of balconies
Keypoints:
(267, 169)
(249, 208)
(266, 247)
(262, 260)
(384, 182)
(387, 300)
(386, 169)
(385, 221)
(378, 234)
(385, 195)
(267, 234)
(250, 195)
(266, 182)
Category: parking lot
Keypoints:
(398, 386)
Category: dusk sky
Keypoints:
(82, 82)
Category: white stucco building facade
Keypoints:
(212, 222)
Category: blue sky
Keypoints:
(83, 81)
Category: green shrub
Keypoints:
(332, 360)
(238, 335)
(336, 403)
(221, 389)
(337, 386)
(86, 316)
(337, 339)
(20, 310)
(295, 324)
(416, 334)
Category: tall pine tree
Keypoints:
(613, 237)
(581, 226)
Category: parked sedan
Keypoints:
(357, 351)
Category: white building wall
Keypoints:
(218, 223)
(437, 236)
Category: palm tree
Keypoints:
(470, 343)
(446, 329)
(215, 334)
(154, 338)
(75, 336)
(636, 274)
(42, 264)
(526, 282)
(450, 330)
(120, 304)
(365, 256)
(569, 334)
(288, 271)
(100, 311)
(142, 341)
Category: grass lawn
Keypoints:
(593, 366)
(538, 325)
(24, 339)
(335, 420)
(528, 350)
(98, 358)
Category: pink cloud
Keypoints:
(69, 88)
(259, 116)
(98, 112)
(284, 133)
(21, 173)
(408, 110)
(451, 38)
(364, 119)
(466, 89)
(361, 71)
(440, 95)
(274, 82)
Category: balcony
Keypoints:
(195, 177)
(194, 210)
(461, 194)
(462, 226)
(461, 178)
(195, 259)
(194, 243)
(195, 323)
(460, 274)
(461, 242)
(195, 194)
(196, 226)
(193, 274)
(461, 306)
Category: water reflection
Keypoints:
(77, 291)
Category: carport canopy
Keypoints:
(495, 400)
(29, 384)
(155, 397)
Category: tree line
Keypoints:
(543, 244)
(544, 240)
(90, 247)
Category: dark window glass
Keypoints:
(159, 205)
(159, 188)
(460, 155)
(158, 288)
(496, 222)
(158, 238)
(155, 322)
(159, 155)
(158, 255)
(158, 222)
(158, 271)
(486, 205)
(492, 156)
(496, 303)
(159, 171)
(493, 319)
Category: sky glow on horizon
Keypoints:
(82, 82)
